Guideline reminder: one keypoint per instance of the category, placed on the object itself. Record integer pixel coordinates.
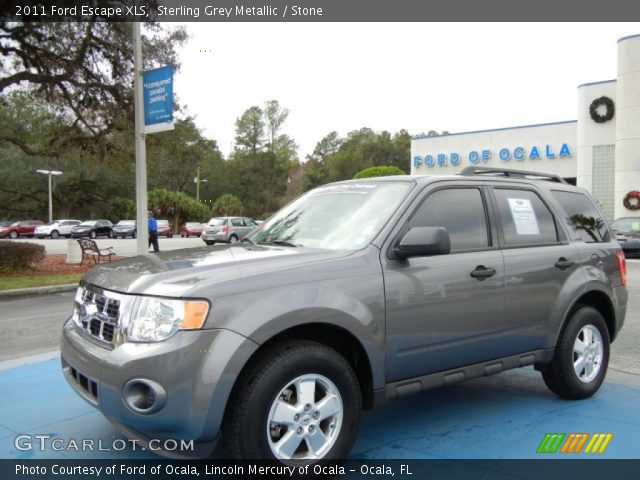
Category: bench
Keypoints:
(90, 249)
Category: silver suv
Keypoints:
(355, 293)
(227, 229)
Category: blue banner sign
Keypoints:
(504, 154)
(157, 86)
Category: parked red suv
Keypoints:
(20, 229)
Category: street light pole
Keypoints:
(49, 173)
(197, 182)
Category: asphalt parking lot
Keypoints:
(501, 417)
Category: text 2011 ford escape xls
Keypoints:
(356, 292)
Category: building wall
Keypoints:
(627, 129)
(548, 148)
(590, 133)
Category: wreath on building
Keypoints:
(631, 200)
(596, 116)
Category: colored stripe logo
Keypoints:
(574, 443)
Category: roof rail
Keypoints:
(471, 170)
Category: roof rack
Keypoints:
(471, 170)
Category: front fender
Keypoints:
(260, 316)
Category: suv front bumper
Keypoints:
(196, 369)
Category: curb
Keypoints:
(28, 292)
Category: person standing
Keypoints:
(153, 231)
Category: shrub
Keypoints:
(381, 171)
(17, 255)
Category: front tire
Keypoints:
(13, 235)
(299, 401)
(55, 234)
(581, 357)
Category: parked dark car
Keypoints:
(191, 229)
(125, 228)
(93, 229)
(24, 228)
(164, 229)
(627, 231)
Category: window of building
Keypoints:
(583, 216)
(525, 219)
(461, 211)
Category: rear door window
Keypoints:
(524, 217)
(582, 216)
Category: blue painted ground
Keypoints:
(501, 417)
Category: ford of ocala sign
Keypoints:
(505, 154)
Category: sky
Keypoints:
(389, 76)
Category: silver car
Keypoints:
(227, 229)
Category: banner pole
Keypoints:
(142, 245)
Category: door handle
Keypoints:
(563, 263)
(481, 272)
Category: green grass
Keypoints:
(10, 283)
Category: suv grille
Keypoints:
(98, 312)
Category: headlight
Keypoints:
(78, 300)
(156, 319)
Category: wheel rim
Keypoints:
(54, 234)
(305, 418)
(587, 353)
(233, 239)
(13, 235)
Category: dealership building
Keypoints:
(599, 151)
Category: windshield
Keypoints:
(626, 225)
(336, 217)
(216, 222)
(126, 223)
(163, 222)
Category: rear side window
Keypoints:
(525, 219)
(582, 216)
(461, 211)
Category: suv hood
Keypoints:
(175, 273)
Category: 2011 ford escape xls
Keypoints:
(354, 293)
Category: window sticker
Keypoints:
(523, 216)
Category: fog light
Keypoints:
(144, 396)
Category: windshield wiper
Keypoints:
(283, 243)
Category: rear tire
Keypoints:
(210, 243)
(233, 239)
(581, 357)
(299, 401)
(93, 234)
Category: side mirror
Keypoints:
(423, 241)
